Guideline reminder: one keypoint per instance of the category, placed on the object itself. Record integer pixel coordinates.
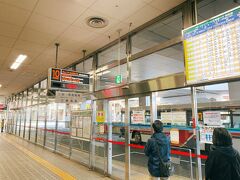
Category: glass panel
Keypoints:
(107, 79)
(218, 106)
(99, 144)
(140, 130)
(22, 111)
(164, 62)
(63, 131)
(43, 84)
(161, 31)
(174, 110)
(18, 121)
(81, 120)
(27, 125)
(51, 124)
(41, 123)
(116, 139)
(113, 53)
(15, 122)
(87, 66)
(33, 123)
(210, 8)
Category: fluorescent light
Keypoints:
(18, 61)
(15, 65)
(21, 58)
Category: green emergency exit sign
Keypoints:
(118, 79)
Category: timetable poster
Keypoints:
(212, 48)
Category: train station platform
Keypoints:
(21, 160)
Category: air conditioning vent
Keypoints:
(97, 22)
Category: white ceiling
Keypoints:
(32, 27)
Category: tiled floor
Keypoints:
(20, 160)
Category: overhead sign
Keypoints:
(212, 48)
(212, 118)
(61, 79)
(68, 97)
(138, 117)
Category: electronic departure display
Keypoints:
(61, 79)
(212, 48)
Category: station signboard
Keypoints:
(212, 49)
(61, 79)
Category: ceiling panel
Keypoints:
(9, 30)
(46, 25)
(6, 41)
(4, 51)
(24, 4)
(113, 32)
(137, 19)
(13, 15)
(96, 43)
(165, 5)
(70, 45)
(29, 46)
(37, 36)
(118, 9)
(78, 34)
(62, 10)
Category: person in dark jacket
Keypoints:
(151, 150)
(223, 162)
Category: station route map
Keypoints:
(212, 49)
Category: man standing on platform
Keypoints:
(158, 151)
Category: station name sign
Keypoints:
(61, 79)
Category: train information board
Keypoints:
(61, 79)
(212, 49)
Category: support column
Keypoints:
(127, 141)
(109, 136)
(196, 132)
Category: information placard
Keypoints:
(61, 79)
(174, 117)
(212, 118)
(206, 134)
(212, 49)
(138, 117)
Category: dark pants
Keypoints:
(2, 129)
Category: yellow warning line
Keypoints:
(62, 174)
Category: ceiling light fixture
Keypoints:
(20, 59)
(0, 85)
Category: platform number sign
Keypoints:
(56, 74)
